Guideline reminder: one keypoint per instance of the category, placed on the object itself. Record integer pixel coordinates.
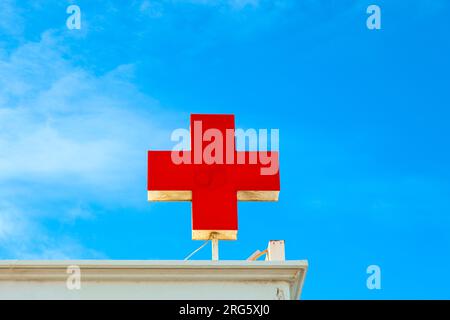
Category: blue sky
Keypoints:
(363, 118)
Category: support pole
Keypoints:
(215, 247)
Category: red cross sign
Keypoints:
(213, 175)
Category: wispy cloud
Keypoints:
(237, 4)
(157, 8)
(64, 128)
(23, 238)
(57, 119)
(11, 21)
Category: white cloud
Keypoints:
(156, 8)
(21, 238)
(239, 4)
(232, 3)
(151, 8)
(59, 120)
(69, 134)
(11, 223)
(11, 21)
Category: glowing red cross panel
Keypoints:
(213, 187)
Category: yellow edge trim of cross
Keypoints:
(182, 195)
(217, 234)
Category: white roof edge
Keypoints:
(155, 263)
(292, 271)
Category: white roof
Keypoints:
(154, 279)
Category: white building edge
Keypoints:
(149, 279)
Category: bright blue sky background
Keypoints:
(363, 118)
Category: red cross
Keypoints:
(213, 188)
